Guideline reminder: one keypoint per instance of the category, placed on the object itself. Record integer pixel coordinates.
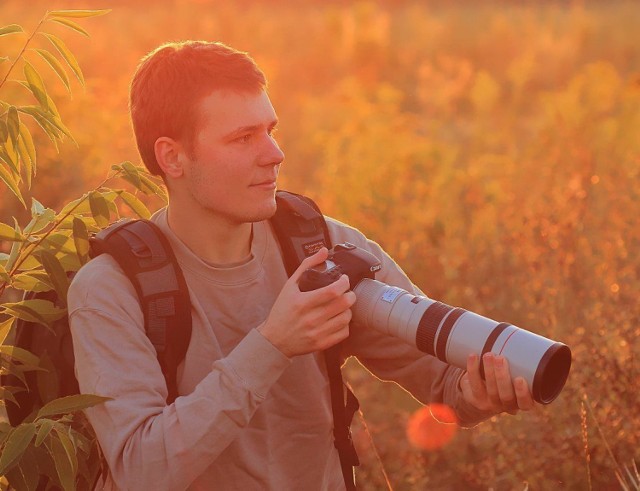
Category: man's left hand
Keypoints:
(498, 392)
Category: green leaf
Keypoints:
(70, 24)
(26, 475)
(11, 183)
(99, 209)
(26, 161)
(81, 240)
(20, 354)
(15, 248)
(130, 173)
(18, 371)
(67, 55)
(135, 204)
(66, 223)
(82, 442)
(33, 281)
(49, 111)
(66, 255)
(5, 429)
(70, 404)
(9, 155)
(10, 29)
(30, 262)
(59, 242)
(77, 13)
(79, 206)
(42, 217)
(50, 130)
(6, 394)
(36, 84)
(8, 233)
(51, 119)
(36, 310)
(5, 329)
(47, 466)
(37, 208)
(13, 125)
(150, 187)
(15, 445)
(56, 66)
(70, 450)
(57, 274)
(46, 425)
(134, 181)
(89, 467)
(64, 467)
(27, 139)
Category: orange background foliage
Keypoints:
(491, 147)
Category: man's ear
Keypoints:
(170, 156)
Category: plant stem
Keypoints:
(24, 48)
(585, 438)
(604, 439)
(31, 247)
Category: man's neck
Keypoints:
(213, 239)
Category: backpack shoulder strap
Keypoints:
(301, 231)
(300, 228)
(145, 255)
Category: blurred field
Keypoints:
(492, 148)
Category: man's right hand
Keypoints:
(305, 322)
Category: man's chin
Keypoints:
(266, 211)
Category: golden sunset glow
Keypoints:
(491, 148)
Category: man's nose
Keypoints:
(273, 155)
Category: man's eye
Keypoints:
(244, 138)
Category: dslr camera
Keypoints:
(449, 333)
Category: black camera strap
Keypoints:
(343, 412)
(301, 231)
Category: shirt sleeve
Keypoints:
(147, 443)
(391, 359)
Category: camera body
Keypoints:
(345, 258)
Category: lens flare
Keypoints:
(432, 427)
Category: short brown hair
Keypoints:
(170, 81)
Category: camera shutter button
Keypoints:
(347, 246)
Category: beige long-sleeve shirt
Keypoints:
(248, 417)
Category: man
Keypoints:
(254, 410)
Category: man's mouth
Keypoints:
(267, 184)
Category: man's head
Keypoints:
(170, 82)
(204, 122)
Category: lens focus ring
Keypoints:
(428, 326)
(443, 337)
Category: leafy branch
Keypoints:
(17, 150)
(54, 442)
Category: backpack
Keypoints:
(146, 257)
